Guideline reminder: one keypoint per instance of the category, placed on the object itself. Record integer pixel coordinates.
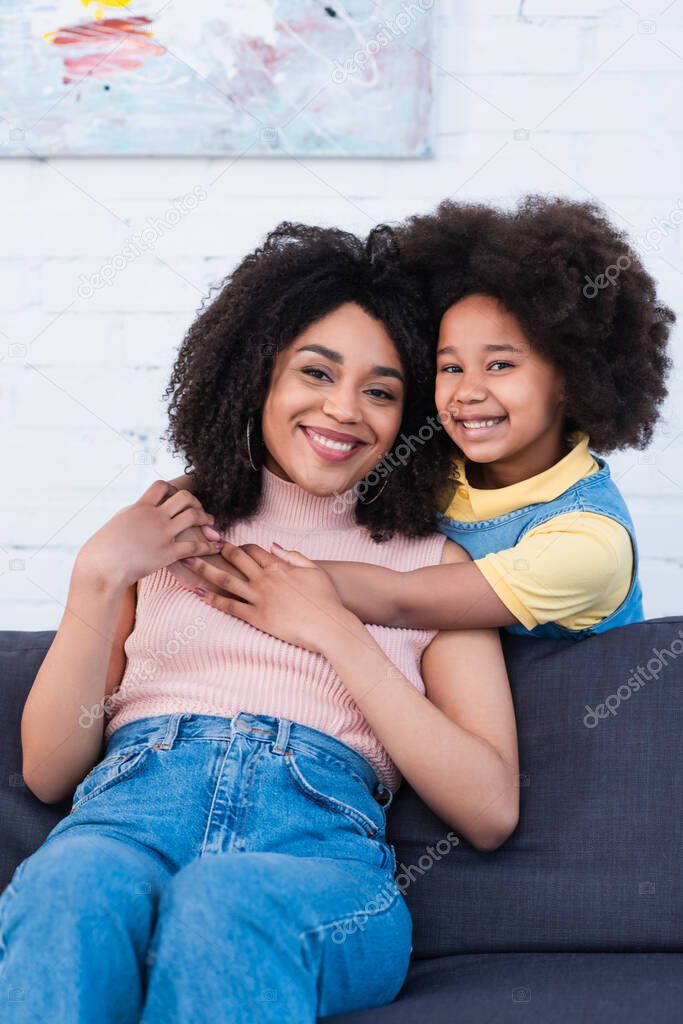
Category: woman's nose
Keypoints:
(343, 408)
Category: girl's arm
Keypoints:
(453, 595)
(447, 596)
(456, 746)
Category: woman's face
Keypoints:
(500, 399)
(335, 402)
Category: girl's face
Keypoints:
(335, 402)
(501, 401)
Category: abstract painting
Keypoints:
(257, 77)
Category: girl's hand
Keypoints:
(144, 536)
(288, 596)
(188, 578)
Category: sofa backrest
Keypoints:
(24, 820)
(596, 862)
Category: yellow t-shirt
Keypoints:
(575, 569)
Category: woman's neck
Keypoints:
(288, 504)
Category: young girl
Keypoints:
(227, 857)
(551, 339)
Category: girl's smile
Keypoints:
(502, 401)
(476, 428)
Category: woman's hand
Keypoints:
(144, 536)
(288, 596)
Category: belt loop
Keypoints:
(282, 738)
(171, 730)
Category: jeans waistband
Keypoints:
(284, 734)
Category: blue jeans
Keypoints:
(210, 869)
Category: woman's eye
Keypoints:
(314, 371)
(379, 393)
(499, 362)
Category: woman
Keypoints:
(227, 858)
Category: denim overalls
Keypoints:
(210, 869)
(594, 493)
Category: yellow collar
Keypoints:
(471, 504)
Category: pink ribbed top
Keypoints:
(184, 655)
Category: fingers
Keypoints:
(190, 517)
(225, 581)
(259, 554)
(292, 557)
(156, 493)
(214, 576)
(212, 534)
(183, 575)
(230, 606)
(238, 557)
(180, 501)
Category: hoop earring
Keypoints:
(378, 493)
(250, 424)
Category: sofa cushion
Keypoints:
(536, 988)
(595, 862)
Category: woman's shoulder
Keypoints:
(414, 552)
(453, 552)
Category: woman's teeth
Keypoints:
(338, 446)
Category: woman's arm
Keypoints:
(62, 723)
(458, 754)
(457, 745)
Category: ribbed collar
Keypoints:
(288, 505)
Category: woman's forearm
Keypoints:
(60, 740)
(458, 774)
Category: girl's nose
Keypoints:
(469, 388)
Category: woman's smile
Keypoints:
(331, 444)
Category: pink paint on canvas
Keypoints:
(126, 40)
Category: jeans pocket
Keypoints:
(330, 783)
(113, 768)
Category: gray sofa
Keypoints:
(578, 917)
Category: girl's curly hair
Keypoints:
(222, 369)
(578, 289)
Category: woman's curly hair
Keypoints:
(222, 370)
(577, 287)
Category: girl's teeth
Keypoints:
(340, 446)
(480, 423)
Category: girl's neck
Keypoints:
(522, 465)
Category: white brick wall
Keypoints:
(599, 89)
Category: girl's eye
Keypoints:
(313, 371)
(451, 368)
(499, 362)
